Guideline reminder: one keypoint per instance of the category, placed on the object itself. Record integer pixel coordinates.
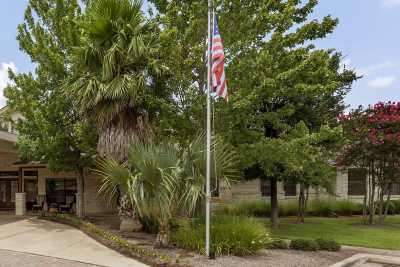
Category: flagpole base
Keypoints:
(212, 255)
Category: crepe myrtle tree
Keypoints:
(373, 144)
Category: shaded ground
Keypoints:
(18, 259)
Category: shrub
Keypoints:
(304, 244)
(392, 207)
(257, 208)
(262, 208)
(347, 208)
(278, 244)
(322, 208)
(396, 204)
(288, 208)
(238, 236)
(334, 208)
(327, 244)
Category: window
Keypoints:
(9, 174)
(60, 190)
(357, 181)
(290, 188)
(265, 188)
(396, 188)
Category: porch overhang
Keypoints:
(9, 137)
(8, 146)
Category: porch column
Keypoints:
(20, 204)
(80, 209)
(79, 205)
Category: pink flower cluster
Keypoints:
(380, 123)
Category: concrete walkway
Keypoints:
(31, 235)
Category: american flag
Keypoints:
(219, 85)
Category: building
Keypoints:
(350, 185)
(25, 185)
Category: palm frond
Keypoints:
(115, 178)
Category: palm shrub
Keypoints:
(193, 161)
(151, 178)
(162, 179)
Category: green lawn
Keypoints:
(346, 230)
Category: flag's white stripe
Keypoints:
(222, 81)
(218, 53)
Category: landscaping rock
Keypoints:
(129, 224)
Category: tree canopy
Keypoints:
(277, 77)
(51, 132)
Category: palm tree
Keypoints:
(163, 180)
(116, 73)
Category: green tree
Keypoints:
(310, 161)
(277, 77)
(117, 75)
(51, 131)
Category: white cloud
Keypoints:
(391, 3)
(4, 79)
(373, 69)
(383, 81)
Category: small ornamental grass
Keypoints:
(238, 236)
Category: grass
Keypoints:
(345, 230)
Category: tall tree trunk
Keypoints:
(302, 205)
(274, 203)
(389, 195)
(364, 211)
(115, 138)
(380, 201)
(371, 200)
(80, 208)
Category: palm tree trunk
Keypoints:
(163, 236)
(115, 138)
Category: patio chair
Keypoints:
(38, 205)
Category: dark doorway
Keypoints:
(8, 188)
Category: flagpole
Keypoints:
(208, 149)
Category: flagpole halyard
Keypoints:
(208, 148)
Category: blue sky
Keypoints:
(368, 36)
